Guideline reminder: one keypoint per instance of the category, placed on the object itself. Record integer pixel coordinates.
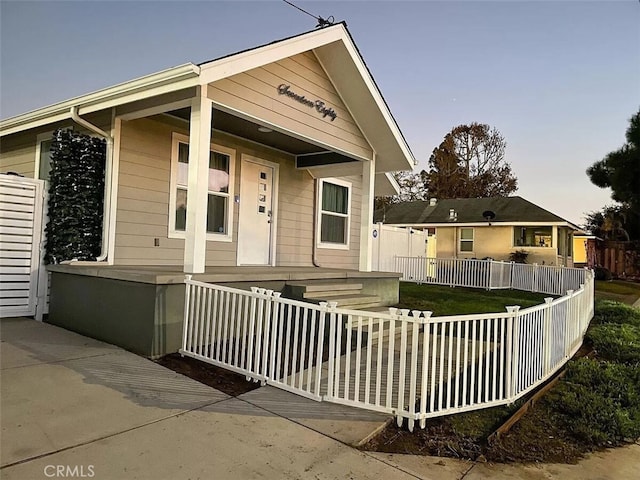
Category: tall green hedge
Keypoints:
(76, 197)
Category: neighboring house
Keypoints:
(281, 149)
(487, 227)
(584, 250)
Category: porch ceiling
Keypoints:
(225, 122)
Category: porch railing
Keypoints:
(490, 274)
(408, 364)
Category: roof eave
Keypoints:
(176, 78)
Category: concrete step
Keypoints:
(351, 301)
(320, 288)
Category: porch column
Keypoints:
(195, 243)
(366, 211)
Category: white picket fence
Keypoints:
(490, 274)
(408, 364)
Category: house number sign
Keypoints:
(318, 105)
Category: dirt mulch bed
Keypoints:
(535, 438)
(226, 381)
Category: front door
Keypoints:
(255, 228)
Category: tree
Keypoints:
(412, 188)
(610, 223)
(469, 163)
(620, 170)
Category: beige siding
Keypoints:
(18, 154)
(18, 151)
(143, 204)
(495, 242)
(255, 92)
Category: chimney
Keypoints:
(453, 216)
(432, 202)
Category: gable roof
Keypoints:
(335, 50)
(507, 210)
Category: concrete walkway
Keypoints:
(72, 407)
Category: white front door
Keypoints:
(255, 229)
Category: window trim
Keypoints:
(466, 240)
(550, 247)
(319, 212)
(176, 139)
(40, 139)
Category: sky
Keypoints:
(559, 79)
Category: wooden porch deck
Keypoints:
(172, 274)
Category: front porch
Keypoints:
(141, 308)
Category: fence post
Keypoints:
(413, 379)
(332, 347)
(320, 350)
(546, 335)
(275, 310)
(570, 325)
(534, 278)
(403, 363)
(425, 367)
(512, 351)
(490, 262)
(186, 319)
(511, 275)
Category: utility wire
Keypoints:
(321, 21)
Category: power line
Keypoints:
(321, 21)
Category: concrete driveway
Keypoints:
(73, 407)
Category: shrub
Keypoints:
(602, 273)
(599, 402)
(616, 342)
(519, 256)
(607, 311)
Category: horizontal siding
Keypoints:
(143, 204)
(20, 160)
(143, 196)
(254, 92)
(18, 151)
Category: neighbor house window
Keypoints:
(466, 239)
(219, 192)
(335, 197)
(532, 236)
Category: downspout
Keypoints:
(314, 232)
(107, 179)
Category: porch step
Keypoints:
(351, 301)
(319, 288)
(346, 294)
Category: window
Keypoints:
(219, 204)
(466, 239)
(334, 196)
(532, 236)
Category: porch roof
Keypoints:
(334, 48)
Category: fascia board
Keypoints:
(161, 82)
(242, 62)
(480, 224)
(381, 104)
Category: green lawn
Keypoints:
(458, 301)
(618, 290)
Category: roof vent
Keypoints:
(432, 202)
(453, 216)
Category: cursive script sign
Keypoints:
(318, 105)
